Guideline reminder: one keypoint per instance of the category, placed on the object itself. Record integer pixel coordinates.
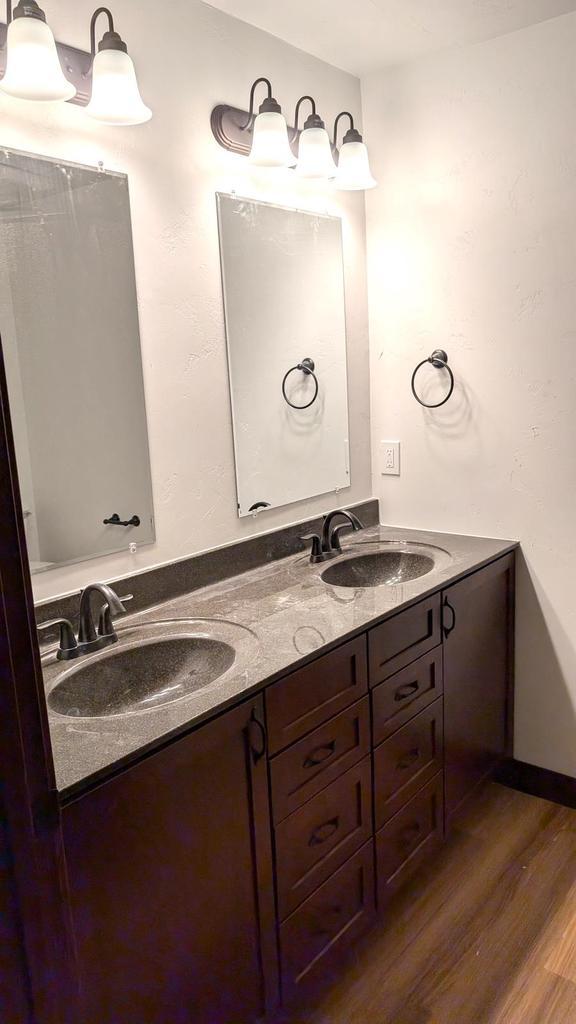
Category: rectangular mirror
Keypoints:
(283, 283)
(71, 344)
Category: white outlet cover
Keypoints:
(390, 458)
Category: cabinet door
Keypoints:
(163, 862)
(14, 1002)
(477, 624)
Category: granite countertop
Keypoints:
(276, 617)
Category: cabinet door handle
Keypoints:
(257, 750)
(448, 629)
(409, 759)
(324, 832)
(319, 755)
(403, 692)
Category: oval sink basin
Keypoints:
(382, 568)
(140, 678)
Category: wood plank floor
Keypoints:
(486, 936)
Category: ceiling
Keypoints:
(363, 35)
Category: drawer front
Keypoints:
(300, 772)
(405, 694)
(403, 638)
(306, 698)
(405, 761)
(410, 839)
(316, 935)
(319, 837)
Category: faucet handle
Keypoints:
(105, 624)
(68, 646)
(316, 555)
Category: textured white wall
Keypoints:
(472, 248)
(189, 58)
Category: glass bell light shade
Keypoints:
(270, 146)
(353, 168)
(33, 70)
(315, 158)
(116, 98)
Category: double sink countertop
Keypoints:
(276, 617)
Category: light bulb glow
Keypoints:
(33, 70)
(116, 98)
(354, 168)
(270, 146)
(315, 158)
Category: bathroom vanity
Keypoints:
(221, 872)
(253, 767)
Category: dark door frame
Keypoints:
(27, 784)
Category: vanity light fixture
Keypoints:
(264, 139)
(104, 82)
(116, 98)
(315, 158)
(270, 145)
(353, 165)
(33, 69)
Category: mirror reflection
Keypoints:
(283, 284)
(71, 342)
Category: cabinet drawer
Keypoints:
(322, 835)
(406, 760)
(306, 698)
(308, 766)
(408, 841)
(314, 937)
(403, 638)
(405, 694)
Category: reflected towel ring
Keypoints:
(115, 520)
(307, 368)
(439, 359)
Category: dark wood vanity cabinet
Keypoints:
(170, 881)
(318, 721)
(478, 627)
(178, 913)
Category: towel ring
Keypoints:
(439, 359)
(307, 368)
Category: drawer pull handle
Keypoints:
(324, 832)
(257, 750)
(409, 759)
(410, 833)
(327, 932)
(403, 692)
(448, 629)
(319, 755)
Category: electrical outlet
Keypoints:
(390, 458)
